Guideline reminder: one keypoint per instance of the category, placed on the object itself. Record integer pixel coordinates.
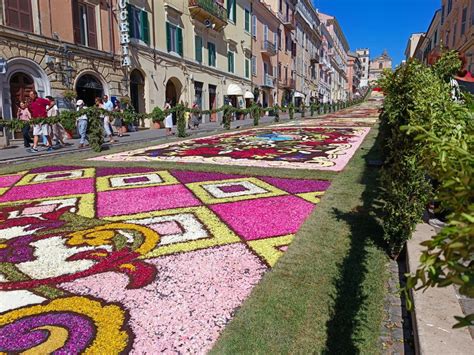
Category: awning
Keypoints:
(248, 95)
(234, 90)
(298, 94)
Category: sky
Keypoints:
(380, 24)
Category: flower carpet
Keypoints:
(110, 260)
(318, 148)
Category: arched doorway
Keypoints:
(137, 91)
(88, 87)
(173, 93)
(21, 84)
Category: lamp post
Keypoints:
(4, 141)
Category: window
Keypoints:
(139, 26)
(230, 62)
(247, 20)
(279, 71)
(265, 33)
(174, 39)
(211, 54)
(198, 49)
(18, 15)
(463, 22)
(435, 39)
(279, 40)
(247, 68)
(450, 6)
(254, 65)
(442, 14)
(380, 65)
(254, 25)
(84, 23)
(275, 40)
(472, 12)
(280, 6)
(232, 10)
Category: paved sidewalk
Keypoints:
(16, 153)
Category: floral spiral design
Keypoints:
(69, 325)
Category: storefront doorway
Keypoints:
(21, 85)
(173, 93)
(137, 91)
(88, 88)
(213, 101)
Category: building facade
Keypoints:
(412, 44)
(338, 57)
(364, 57)
(431, 43)
(378, 65)
(457, 29)
(354, 74)
(308, 42)
(58, 46)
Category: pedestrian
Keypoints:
(81, 124)
(105, 120)
(58, 130)
(168, 118)
(118, 121)
(195, 117)
(38, 108)
(24, 115)
(109, 106)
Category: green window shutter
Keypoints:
(145, 27)
(198, 48)
(234, 4)
(168, 36)
(130, 21)
(179, 40)
(247, 20)
(211, 50)
(247, 68)
(229, 62)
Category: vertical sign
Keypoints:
(123, 30)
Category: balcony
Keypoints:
(288, 83)
(315, 58)
(209, 10)
(268, 81)
(268, 48)
(288, 21)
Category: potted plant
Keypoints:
(158, 117)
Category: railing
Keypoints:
(212, 7)
(315, 58)
(287, 20)
(268, 81)
(288, 83)
(268, 47)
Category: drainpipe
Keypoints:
(154, 32)
(111, 33)
(50, 18)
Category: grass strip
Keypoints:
(326, 293)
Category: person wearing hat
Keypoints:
(81, 123)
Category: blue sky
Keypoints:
(381, 24)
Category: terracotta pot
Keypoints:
(69, 134)
(124, 129)
(159, 124)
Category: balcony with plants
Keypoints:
(211, 12)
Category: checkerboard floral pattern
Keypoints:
(107, 260)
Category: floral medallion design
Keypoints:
(107, 260)
(318, 148)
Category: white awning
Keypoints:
(248, 95)
(234, 90)
(298, 94)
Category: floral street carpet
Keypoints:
(318, 148)
(110, 260)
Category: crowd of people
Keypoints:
(46, 134)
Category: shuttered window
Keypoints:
(247, 68)
(211, 52)
(18, 14)
(247, 20)
(174, 39)
(84, 24)
(254, 25)
(232, 10)
(139, 26)
(230, 62)
(198, 48)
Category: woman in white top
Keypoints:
(59, 133)
(168, 118)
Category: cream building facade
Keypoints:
(198, 51)
(364, 57)
(378, 65)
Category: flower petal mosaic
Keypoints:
(296, 147)
(109, 260)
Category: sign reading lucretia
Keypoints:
(124, 35)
